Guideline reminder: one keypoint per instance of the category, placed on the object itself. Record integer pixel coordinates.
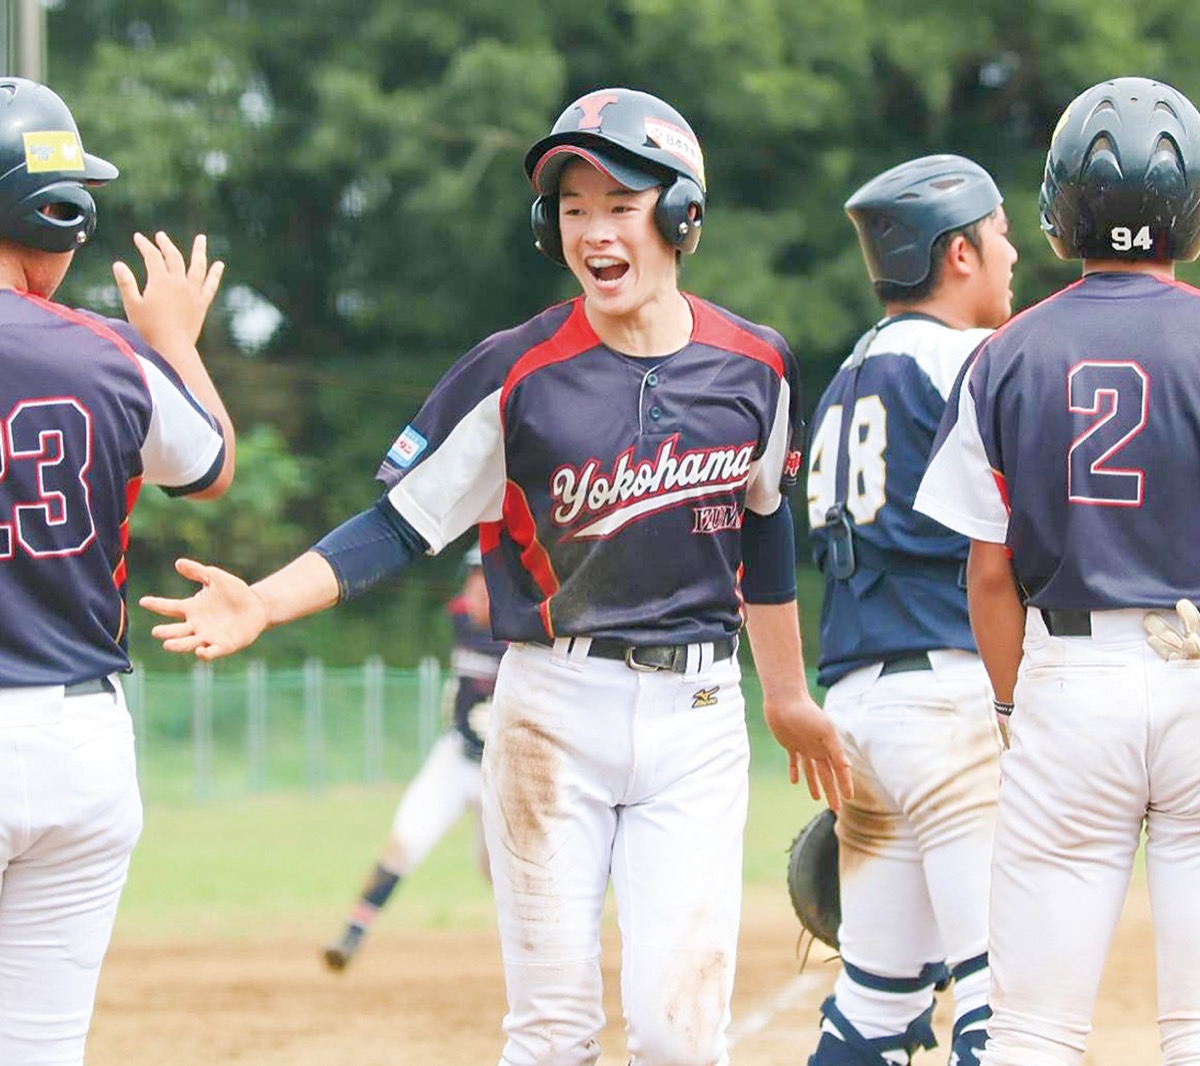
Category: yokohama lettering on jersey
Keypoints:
(88, 411)
(898, 400)
(1073, 437)
(604, 482)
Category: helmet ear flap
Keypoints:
(543, 220)
(680, 214)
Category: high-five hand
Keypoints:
(170, 310)
(223, 617)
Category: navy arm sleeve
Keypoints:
(371, 546)
(769, 556)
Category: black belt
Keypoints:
(650, 657)
(904, 664)
(1067, 623)
(91, 688)
(867, 555)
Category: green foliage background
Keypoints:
(359, 168)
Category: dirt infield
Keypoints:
(436, 999)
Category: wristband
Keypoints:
(1002, 707)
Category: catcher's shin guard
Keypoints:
(969, 1045)
(854, 1049)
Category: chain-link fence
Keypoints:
(219, 732)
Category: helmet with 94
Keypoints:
(1122, 176)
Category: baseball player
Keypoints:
(90, 408)
(1067, 454)
(905, 685)
(626, 453)
(449, 780)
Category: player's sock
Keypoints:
(375, 893)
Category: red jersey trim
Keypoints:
(98, 328)
(712, 328)
(572, 338)
(522, 528)
(1175, 283)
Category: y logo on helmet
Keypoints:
(591, 106)
(52, 150)
(679, 142)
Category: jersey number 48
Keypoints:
(866, 467)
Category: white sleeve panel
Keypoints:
(766, 473)
(461, 483)
(938, 350)
(959, 488)
(181, 445)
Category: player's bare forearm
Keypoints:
(169, 314)
(795, 719)
(997, 614)
(226, 615)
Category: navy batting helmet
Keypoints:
(1123, 174)
(639, 141)
(899, 214)
(42, 162)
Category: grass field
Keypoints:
(294, 861)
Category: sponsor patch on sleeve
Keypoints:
(51, 150)
(407, 448)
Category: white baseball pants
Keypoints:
(915, 841)
(445, 786)
(70, 814)
(1105, 737)
(591, 770)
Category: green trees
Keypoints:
(359, 168)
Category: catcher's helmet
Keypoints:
(1123, 174)
(899, 214)
(42, 162)
(638, 140)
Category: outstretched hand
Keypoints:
(814, 747)
(170, 310)
(1170, 643)
(224, 616)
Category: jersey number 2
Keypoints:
(1118, 394)
(865, 445)
(56, 436)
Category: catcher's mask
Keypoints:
(43, 165)
(636, 139)
(1122, 175)
(900, 213)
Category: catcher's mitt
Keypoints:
(813, 878)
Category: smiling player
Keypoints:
(624, 453)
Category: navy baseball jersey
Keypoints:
(88, 411)
(1072, 438)
(896, 602)
(474, 661)
(603, 482)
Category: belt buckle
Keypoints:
(633, 664)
